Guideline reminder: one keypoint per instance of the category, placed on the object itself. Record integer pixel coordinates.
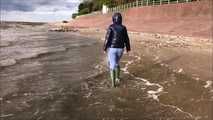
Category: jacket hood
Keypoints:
(117, 18)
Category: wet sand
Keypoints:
(158, 82)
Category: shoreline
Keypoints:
(159, 35)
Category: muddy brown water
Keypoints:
(74, 85)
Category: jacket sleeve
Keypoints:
(127, 42)
(108, 39)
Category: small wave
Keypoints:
(42, 51)
(81, 44)
(36, 53)
(4, 44)
(7, 62)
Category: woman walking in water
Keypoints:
(115, 41)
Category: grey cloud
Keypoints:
(12, 5)
(31, 5)
(72, 5)
(55, 10)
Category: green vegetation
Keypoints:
(88, 6)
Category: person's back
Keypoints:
(117, 36)
(115, 41)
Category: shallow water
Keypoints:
(18, 44)
(62, 76)
(35, 60)
(175, 89)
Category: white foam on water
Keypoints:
(180, 70)
(178, 109)
(208, 84)
(153, 93)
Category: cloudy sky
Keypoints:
(38, 10)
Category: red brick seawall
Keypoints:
(187, 19)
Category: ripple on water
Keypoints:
(31, 53)
(7, 62)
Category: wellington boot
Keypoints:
(117, 74)
(112, 74)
